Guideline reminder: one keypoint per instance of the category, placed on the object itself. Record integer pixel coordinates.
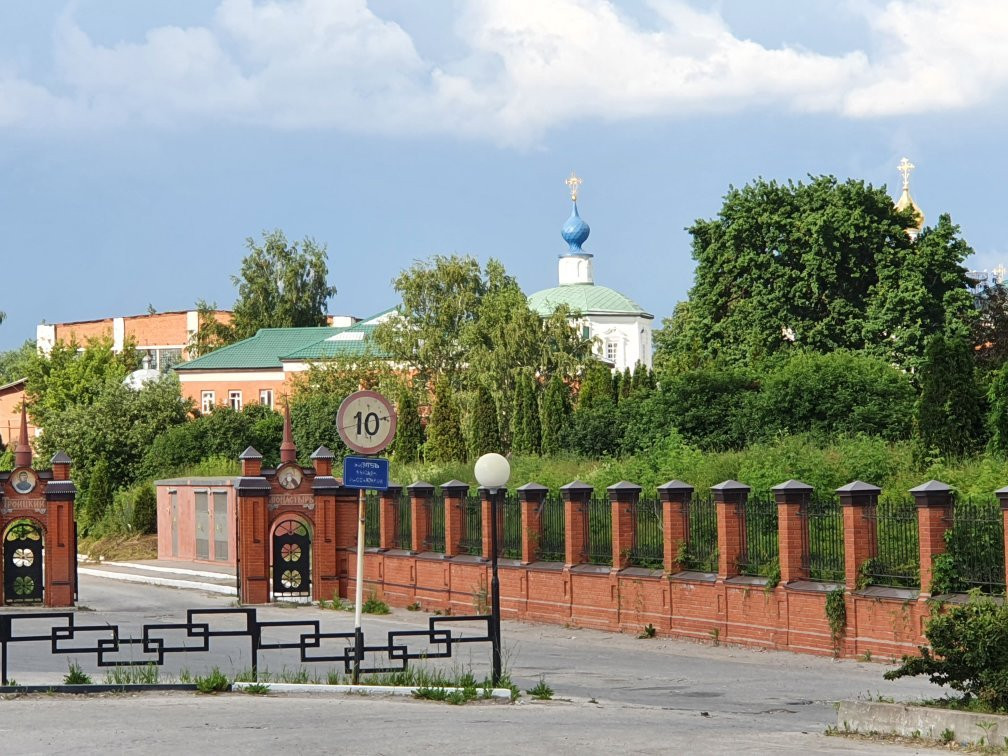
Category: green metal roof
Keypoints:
(347, 342)
(588, 299)
(264, 350)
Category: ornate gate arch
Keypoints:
(292, 563)
(23, 556)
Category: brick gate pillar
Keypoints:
(623, 498)
(421, 494)
(675, 498)
(1002, 494)
(792, 499)
(858, 501)
(455, 492)
(61, 542)
(252, 562)
(388, 518)
(575, 497)
(934, 517)
(729, 498)
(530, 498)
(486, 516)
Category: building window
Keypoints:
(235, 400)
(610, 351)
(207, 401)
(266, 397)
(585, 332)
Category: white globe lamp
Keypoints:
(492, 471)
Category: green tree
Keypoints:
(211, 333)
(990, 327)
(145, 509)
(14, 362)
(99, 492)
(950, 411)
(627, 384)
(485, 429)
(707, 406)
(409, 431)
(444, 431)
(526, 435)
(555, 415)
(596, 386)
(281, 285)
(997, 415)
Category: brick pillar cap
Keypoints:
(792, 485)
(61, 458)
(623, 485)
(393, 486)
(932, 486)
(675, 485)
(321, 453)
(576, 485)
(532, 487)
(730, 485)
(250, 453)
(454, 485)
(859, 487)
(1002, 491)
(420, 485)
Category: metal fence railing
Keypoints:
(892, 533)
(404, 522)
(974, 543)
(435, 530)
(509, 525)
(759, 553)
(472, 525)
(598, 530)
(372, 519)
(823, 546)
(649, 538)
(552, 540)
(699, 551)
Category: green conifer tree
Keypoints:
(950, 410)
(409, 431)
(555, 415)
(997, 415)
(628, 384)
(444, 431)
(526, 435)
(485, 428)
(596, 386)
(617, 380)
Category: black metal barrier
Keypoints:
(105, 641)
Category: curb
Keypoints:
(227, 590)
(342, 690)
(171, 570)
(98, 688)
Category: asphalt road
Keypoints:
(613, 692)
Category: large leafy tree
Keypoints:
(990, 327)
(820, 265)
(444, 431)
(14, 362)
(950, 409)
(281, 284)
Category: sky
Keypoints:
(141, 144)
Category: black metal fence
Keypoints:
(598, 530)
(649, 536)
(435, 530)
(700, 549)
(975, 546)
(404, 522)
(509, 511)
(472, 525)
(823, 547)
(759, 554)
(895, 561)
(552, 540)
(372, 519)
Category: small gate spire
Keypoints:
(288, 451)
(23, 451)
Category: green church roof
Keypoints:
(588, 299)
(264, 350)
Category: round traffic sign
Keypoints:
(366, 421)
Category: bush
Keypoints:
(706, 406)
(968, 652)
(145, 509)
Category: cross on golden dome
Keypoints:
(574, 183)
(904, 167)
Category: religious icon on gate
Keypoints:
(290, 477)
(24, 481)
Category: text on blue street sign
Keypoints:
(365, 472)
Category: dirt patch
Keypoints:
(119, 548)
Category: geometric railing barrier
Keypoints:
(159, 639)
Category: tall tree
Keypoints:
(211, 333)
(485, 428)
(409, 431)
(555, 415)
(990, 327)
(997, 414)
(444, 431)
(596, 386)
(526, 434)
(14, 362)
(281, 284)
(950, 409)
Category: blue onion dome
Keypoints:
(575, 232)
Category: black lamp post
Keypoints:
(492, 472)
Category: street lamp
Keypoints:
(492, 472)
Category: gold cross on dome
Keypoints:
(574, 183)
(999, 273)
(904, 167)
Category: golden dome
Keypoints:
(906, 201)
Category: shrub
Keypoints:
(968, 651)
(145, 509)
(706, 406)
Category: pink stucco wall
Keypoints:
(186, 490)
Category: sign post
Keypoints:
(366, 421)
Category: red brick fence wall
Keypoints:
(721, 607)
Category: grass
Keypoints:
(541, 691)
(148, 674)
(374, 605)
(75, 675)
(256, 689)
(119, 548)
(649, 631)
(215, 682)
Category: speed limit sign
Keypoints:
(366, 421)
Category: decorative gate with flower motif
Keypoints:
(22, 563)
(291, 559)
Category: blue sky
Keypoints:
(141, 143)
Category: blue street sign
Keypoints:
(365, 472)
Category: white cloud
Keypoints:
(529, 66)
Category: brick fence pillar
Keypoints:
(675, 498)
(575, 497)
(792, 499)
(530, 498)
(455, 492)
(486, 505)
(858, 501)
(623, 498)
(1002, 494)
(388, 516)
(729, 499)
(934, 514)
(421, 494)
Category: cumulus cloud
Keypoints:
(526, 66)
